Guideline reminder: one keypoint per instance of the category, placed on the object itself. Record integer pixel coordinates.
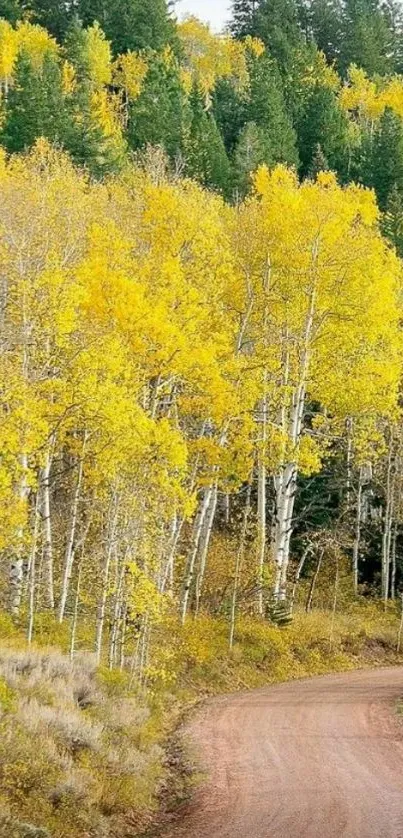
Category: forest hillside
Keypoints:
(201, 467)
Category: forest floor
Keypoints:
(314, 758)
(112, 762)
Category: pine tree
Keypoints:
(205, 155)
(11, 10)
(382, 157)
(318, 164)
(156, 117)
(36, 106)
(53, 15)
(131, 24)
(229, 110)
(244, 17)
(392, 221)
(325, 26)
(252, 150)
(366, 37)
(322, 123)
(267, 110)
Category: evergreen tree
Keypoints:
(53, 15)
(131, 24)
(319, 163)
(156, 117)
(323, 124)
(367, 37)
(229, 110)
(392, 221)
(275, 22)
(244, 17)
(205, 156)
(11, 10)
(36, 106)
(267, 110)
(252, 150)
(382, 158)
(325, 26)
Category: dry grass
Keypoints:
(80, 754)
(71, 755)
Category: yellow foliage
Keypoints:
(129, 72)
(209, 57)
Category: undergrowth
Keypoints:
(83, 750)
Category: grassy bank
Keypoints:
(83, 751)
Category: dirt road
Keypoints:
(309, 759)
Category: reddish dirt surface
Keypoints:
(320, 758)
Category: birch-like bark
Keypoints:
(117, 612)
(167, 576)
(47, 533)
(197, 531)
(394, 568)
(32, 573)
(16, 578)
(309, 601)
(101, 609)
(334, 608)
(349, 480)
(388, 524)
(238, 564)
(69, 554)
(262, 505)
(205, 543)
(122, 650)
(400, 632)
(75, 615)
(286, 481)
(298, 575)
(357, 532)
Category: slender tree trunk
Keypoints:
(17, 562)
(400, 632)
(69, 554)
(388, 524)
(357, 533)
(349, 481)
(117, 611)
(47, 533)
(75, 615)
(394, 546)
(298, 575)
(205, 543)
(286, 481)
(334, 608)
(308, 606)
(197, 532)
(32, 573)
(122, 650)
(262, 503)
(101, 609)
(238, 563)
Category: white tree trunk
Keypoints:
(69, 554)
(47, 533)
(197, 531)
(286, 480)
(101, 609)
(238, 563)
(16, 578)
(262, 505)
(205, 543)
(32, 573)
(388, 523)
(357, 534)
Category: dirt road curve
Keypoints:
(311, 759)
